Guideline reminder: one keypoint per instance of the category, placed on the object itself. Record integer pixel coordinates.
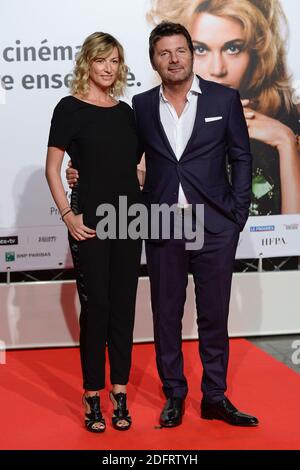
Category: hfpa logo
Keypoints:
(273, 241)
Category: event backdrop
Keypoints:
(38, 44)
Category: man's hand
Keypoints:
(76, 227)
(71, 175)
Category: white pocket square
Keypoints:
(215, 118)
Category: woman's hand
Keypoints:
(71, 175)
(77, 228)
(278, 135)
(267, 129)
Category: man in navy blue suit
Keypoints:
(187, 128)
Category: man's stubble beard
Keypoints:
(179, 81)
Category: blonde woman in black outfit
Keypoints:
(97, 131)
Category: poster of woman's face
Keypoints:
(243, 44)
(220, 52)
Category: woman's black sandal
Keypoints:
(94, 417)
(121, 413)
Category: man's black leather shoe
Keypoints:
(225, 411)
(172, 413)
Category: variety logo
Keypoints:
(291, 226)
(47, 239)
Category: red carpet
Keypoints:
(40, 403)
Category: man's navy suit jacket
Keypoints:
(202, 168)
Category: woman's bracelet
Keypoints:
(70, 210)
(62, 211)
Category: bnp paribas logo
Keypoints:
(10, 256)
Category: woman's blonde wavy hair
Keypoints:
(267, 82)
(95, 46)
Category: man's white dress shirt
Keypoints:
(179, 129)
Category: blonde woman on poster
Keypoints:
(241, 44)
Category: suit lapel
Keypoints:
(202, 106)
(159, 126)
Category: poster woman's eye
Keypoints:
(234, 49)
(200, 49)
